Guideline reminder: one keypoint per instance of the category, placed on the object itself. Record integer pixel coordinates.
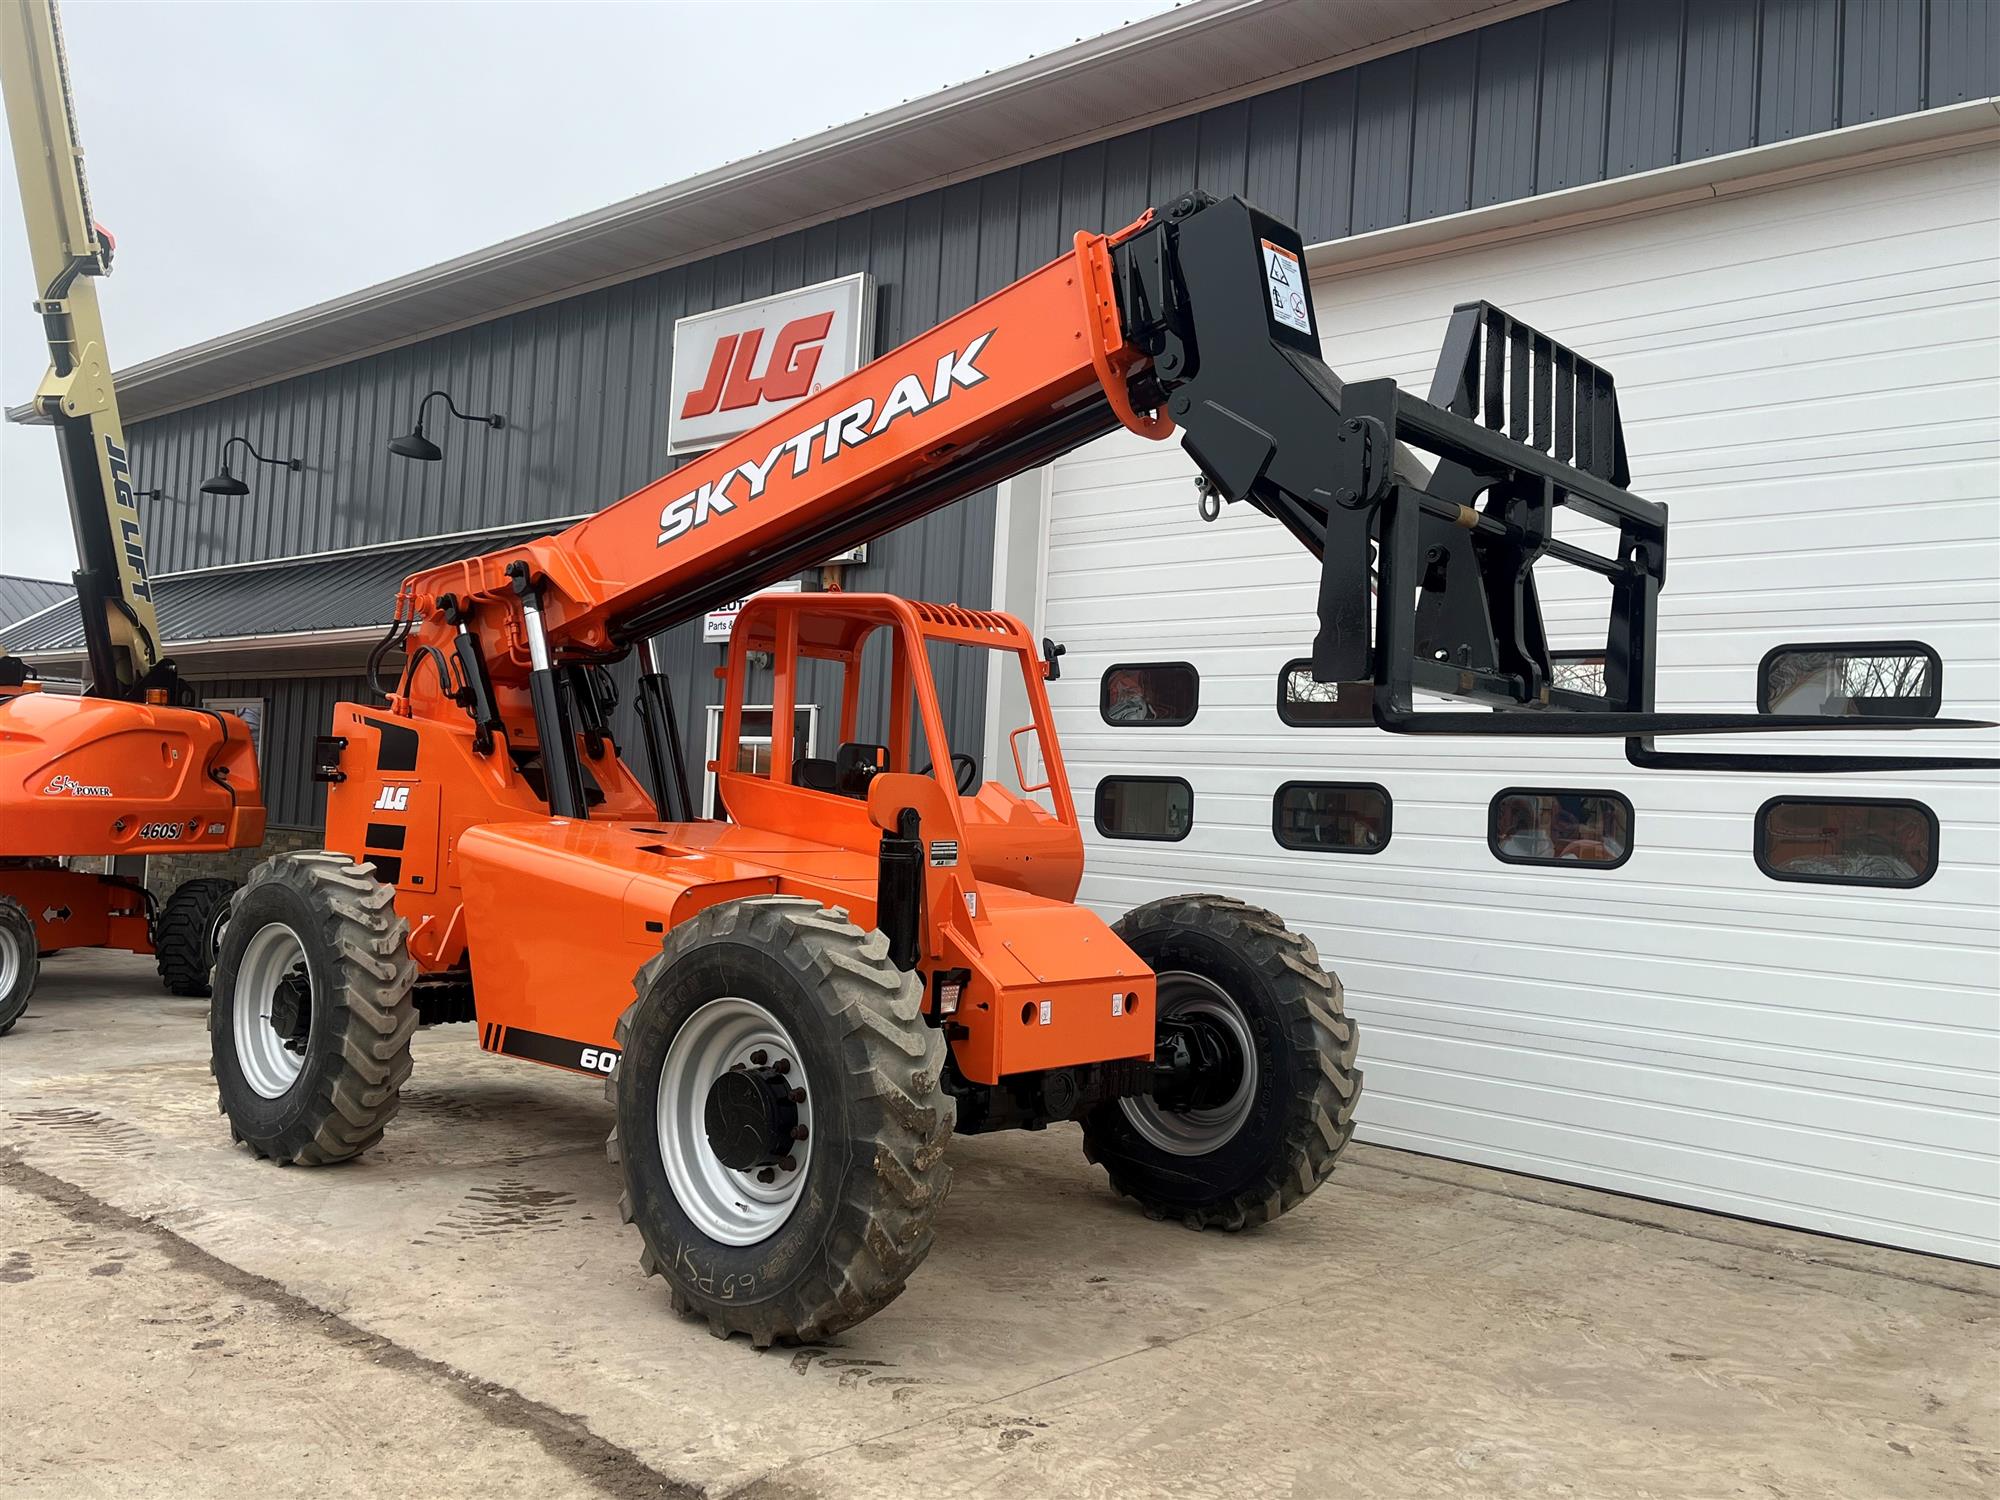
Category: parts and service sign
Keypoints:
(741, 365)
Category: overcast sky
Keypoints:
(252, 159)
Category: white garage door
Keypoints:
(1808, 379)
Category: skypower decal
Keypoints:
(822, 442)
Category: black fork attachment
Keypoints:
(1441, 564)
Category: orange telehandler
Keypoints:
(795, 1006)
(134, 766)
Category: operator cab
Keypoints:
(875, 662)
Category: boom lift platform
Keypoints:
(133, 766)
(796, 1007)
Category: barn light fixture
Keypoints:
(226, 483)
(415, 445)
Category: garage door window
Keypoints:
(1853, 841)
(1145, 807)
(1553, 826)
(1304, 702)
(1332, 817)
(1161, 693)
(1860, 680)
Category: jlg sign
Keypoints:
(738, 366)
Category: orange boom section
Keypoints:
(991, 386)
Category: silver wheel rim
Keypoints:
(269, 1066)
(1196, 1132)
(730, 1207)
(13, 962)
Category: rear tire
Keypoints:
(188, 933)
(832, 1239)
(310, 1023)
(20, 962)
(1272, 1132)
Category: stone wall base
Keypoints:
(164, 872)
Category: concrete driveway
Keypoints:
(461, 1313)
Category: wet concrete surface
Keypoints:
(460, 1312)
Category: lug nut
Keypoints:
(790, 1164)
(799, 1132)
(767, 1175)
(798, 1096)
(760, 1057)
(782, 1065)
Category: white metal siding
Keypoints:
(1808, 378)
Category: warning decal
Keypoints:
(1285, 280)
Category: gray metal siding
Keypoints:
(1964, 57)
(295, 710)
(21, 597)
(1534, 104)
(1541, 102)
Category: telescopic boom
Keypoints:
(69, 251)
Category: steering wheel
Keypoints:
(965, 771)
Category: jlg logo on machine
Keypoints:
(741, 365)
(393, 799)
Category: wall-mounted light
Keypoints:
(415, 445)
(226, 483)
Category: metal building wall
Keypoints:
(1567, 95)
(1572, 94)
(295, 710)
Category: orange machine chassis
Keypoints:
(551, 918)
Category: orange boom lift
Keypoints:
(796, 1006)
(133, 766)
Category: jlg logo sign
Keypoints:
(788, 374)
(738, 366)
(393, 799)
(825, 440)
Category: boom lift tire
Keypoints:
(781, 996)
(20, 961)
(1276, 1116)
(189, 931)
(310, 1023)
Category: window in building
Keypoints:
(1144, 807)
(1538, 826)
(1162, 693)
(1332, 817)
(753, 744)
(1859, 680)
(251, 712)
(1303, 703)
(1848, 841)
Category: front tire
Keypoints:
(20, 961)
(310, 1023)
(786, 1218)
(1265, 1125)
(188, 934)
